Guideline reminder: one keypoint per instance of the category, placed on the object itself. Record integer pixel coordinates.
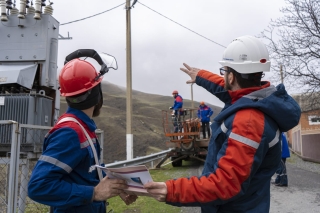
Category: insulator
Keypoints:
(9, 3)
(37, 5)
(3, 10)
(48, 10)
(31, 10)
(14, 11)
(22, 9)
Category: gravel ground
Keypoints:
(302, 194)
(296, 161)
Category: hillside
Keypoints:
(146, 121)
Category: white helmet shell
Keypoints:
(246, 55)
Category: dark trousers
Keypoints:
(205, 127)
(177, 123)
(282, 178)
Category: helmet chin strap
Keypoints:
(95, 97)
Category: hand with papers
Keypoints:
(158, 190)
(135, 177)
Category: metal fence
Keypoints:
(20, 148)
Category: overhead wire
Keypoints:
(92, 15)
(151, 10)
(181, 25)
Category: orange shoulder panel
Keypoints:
(217, 79)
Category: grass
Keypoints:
(148, 204)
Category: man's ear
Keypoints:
(231, 78)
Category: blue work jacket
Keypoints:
(204, 113)
(285, 153)
(61, 177)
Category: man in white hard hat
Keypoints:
(245, 146)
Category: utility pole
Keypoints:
(129, 136)
(281, 73)
(192, 104)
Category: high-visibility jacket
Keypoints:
(285, 152)
(204, 113)
(61, 177)
(244, 150)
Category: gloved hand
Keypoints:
(170, 107)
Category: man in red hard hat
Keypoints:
(177, 108)
(64, 177)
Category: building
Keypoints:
(304, 139)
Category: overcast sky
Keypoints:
(160, 46)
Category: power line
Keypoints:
(182, 25)
(92, 15)
(151, 10)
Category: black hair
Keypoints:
(247, 80)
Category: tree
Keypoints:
(294, 43)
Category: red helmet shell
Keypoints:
(76, 77)
(175, 92)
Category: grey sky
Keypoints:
(159, 46)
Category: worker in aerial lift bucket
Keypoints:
(177, 111)
(245, 146)
(65, 177)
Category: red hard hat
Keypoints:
(76, 77)
(175, 92)
(201, 103)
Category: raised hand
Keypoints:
(191, 71)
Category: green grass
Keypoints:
(148, 204)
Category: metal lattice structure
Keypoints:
(24, 144)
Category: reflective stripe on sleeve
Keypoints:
(275, 139)
(244, 140)
(56, 162)
(86, 143)
(223, 128)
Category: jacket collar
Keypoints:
(83, 117)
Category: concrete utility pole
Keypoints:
(129, 84)
(192, 104)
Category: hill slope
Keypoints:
(146, 121)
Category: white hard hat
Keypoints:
(246, 55)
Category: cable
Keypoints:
(92, 15)
(182, 25)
